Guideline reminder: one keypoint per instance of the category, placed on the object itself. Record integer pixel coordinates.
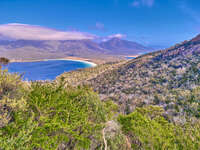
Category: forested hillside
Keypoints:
(151, 102)
(169, 78)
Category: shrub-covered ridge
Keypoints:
(48, 116)
(151, 102)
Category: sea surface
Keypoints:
(45, 70)
(131, 57)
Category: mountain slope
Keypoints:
(51, 115)
(196, 39)
(33, 49)
(124, 47)
(46, 49)
(165, 78)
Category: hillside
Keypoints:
(34, 50)
(151, 102)
(123, 47)
(158, 78)
(51, 49)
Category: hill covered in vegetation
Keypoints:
(168, 78)
(151, 102)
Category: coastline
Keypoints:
(133, 56)
(92, 64)
(82, 61)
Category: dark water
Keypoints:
(45, 70)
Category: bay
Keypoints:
(45, 70)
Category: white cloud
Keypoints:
(120, 36)
(32, 32)
(138, 3)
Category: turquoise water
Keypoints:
(130, 57)
(45, 70)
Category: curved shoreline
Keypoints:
(76, 60)
(67, 59)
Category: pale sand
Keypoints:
(70, 59)
(133, 56)
(83, 61)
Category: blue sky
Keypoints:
(150, 22)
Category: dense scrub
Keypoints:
(151, 102)
(147, 128)
(47, 116)
(11, 96)
(77, 77)
(166, 78)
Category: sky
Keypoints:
(150, 22)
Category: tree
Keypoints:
(3, 61)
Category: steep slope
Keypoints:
(124, 47)
(196, 39)
(165, 78)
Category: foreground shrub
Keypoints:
(10, 85)
(4, 61)
(11, 96)
(55, 117)
(148, 129)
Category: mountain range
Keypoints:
(46, 49)
(124, 47)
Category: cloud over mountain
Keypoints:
(16, 31)
(32, 32)
(118, 35)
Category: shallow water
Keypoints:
(130, 57)
(45, 70)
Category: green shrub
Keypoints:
(11, 96)
(148, 129)
(55, 115)
(10, 85)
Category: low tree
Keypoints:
(3, 61)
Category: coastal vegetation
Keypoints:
(169, 79)
(49, 116)
(77, 77)
(46, 116)
(151, 102)
(3, 61)
(147, 129)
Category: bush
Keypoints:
(11, 96)
(4, 61)
(148, 129)
(10, 85)
(55, 117)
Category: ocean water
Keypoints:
(130, 57)
(44, 70)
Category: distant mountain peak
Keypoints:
(124, 47)
(116, 39)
